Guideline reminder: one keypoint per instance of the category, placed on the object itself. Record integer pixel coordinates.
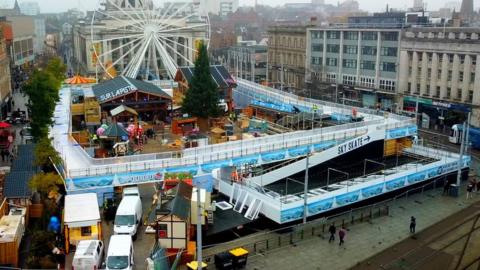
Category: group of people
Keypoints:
(342, 233)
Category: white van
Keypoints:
(129, 216)
(131, 191)
(120, 253)
(88, 255)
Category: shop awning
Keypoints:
(77, 79)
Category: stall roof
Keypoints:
(220, 75)
(120, 86)
(11, 228)
(122, 108)
(22, 170)
(81, 210)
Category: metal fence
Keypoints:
(271, 240)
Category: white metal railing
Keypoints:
(210, 153)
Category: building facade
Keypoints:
(363, 62)
(30, 8)
(22, 47)
(5, 78)
(286, 57)
(439, 70)
(247, 62)
(40, 35)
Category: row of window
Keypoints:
(351, 63)
(353, 35)
(388, 85)
(461, 74)
(449, 57)
(352, 49)
(437, 93)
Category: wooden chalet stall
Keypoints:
(223, 79)
(12, 228)
(173, 220)
(81, 219)
(149, 101)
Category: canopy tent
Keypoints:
(115, 130)
(77, 79)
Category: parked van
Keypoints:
(88, 255)
(120, 253)
(128, 216)
(131, 191)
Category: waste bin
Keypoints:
(193, 265)
(239, 257)
(224, 261)
(453, 190)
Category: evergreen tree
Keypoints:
(201, 99)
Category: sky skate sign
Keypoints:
(353, 144)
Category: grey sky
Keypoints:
(370, 5)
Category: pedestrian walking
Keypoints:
(341, 234)
(469, 190)
(446, 188)
(332, 230)
(413, 223)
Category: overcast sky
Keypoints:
(369, 5)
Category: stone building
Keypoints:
(286, 56)
(439, 69)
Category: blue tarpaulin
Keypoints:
(322, 146)
(298, 151)
(274, 106)
(211, 166)
(279, 155)
(188, 169)
(245, 160)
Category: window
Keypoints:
(462, 59)
(388, 51)
(317, 34)
(470, 96)
(86, 231)
(437, 92)
(367, 82)
(349, 63)
(333, 35)
(369, 50)
(388, 85)
(317, 47)
(460, 76)
(332, 62)
(349, 49)
(449, 91)
(472, 77)
(450, 58)
(449, 77)
(349, 35)
(331, 77)
(162, 230)
(429, 73)
(369, 36)
(390, 36)
(348, 80)
(333, 48)
(439, 74)
(368, 65)
(388, 66)
(459, 94)
(474, 59)
(316, 60)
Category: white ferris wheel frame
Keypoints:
(149, 37)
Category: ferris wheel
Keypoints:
(147, 38)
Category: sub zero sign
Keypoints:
(352, 145)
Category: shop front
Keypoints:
(436, 114)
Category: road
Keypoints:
(451, 244)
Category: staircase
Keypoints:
(241, 198)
